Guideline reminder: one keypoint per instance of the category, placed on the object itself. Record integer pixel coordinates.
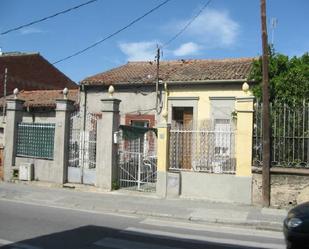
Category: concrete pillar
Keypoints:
(61, 144)
(13, 117)
(106, 167)
(244, 132)
(163, 159)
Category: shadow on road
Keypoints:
(96, 237)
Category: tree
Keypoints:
(288, 78)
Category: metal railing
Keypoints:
(137, 162)
(137, 172)
(202, 150)
(290, 135)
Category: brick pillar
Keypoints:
(61, 144)
(13, 117)
(106, 167)
(244, 133)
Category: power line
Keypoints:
(113, 34)
(187, 25)
(46, 18)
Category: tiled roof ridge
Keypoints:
(240, 59)
(17, 53)
(47, 90)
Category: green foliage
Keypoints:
(288, 78)
(15, 173)
(115, 185)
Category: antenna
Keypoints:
(274, 23)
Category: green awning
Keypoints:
(135, 132)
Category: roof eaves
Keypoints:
(206, 81)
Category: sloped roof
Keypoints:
(43, 98)
(174, 71)
(30, 71)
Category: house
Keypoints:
(181, 140)
(135, 85)
(31, 126)
(194, 138)
(199, 99)
(27, 71)
(30, 71)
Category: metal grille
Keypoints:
(290, 135)
(75, 142)
(82, 148)
(82, 144)
(202, 150)
(137, 162)
(35, 140)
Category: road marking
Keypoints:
(120, 244)
(199, 238)
(212, 228)
(17, 245)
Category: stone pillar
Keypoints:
(61, 144)
(163, 159)
(106, 167)
(244, 133)
(13, 117)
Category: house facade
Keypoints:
(193, 138)
(198, 99)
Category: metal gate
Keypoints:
(137, 161)
(82, 148)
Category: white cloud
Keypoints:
(213, 27)
(139, 51)
(188, 48)
(27, 31)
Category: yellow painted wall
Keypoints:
(204, 92)
(244, 107)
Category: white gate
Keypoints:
(82, 148)
(137, 161)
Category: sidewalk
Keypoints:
(143, 204)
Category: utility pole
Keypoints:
(157, 79)
(266, 123)
(4, 93)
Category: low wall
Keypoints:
(216, 187)
(43, 169)
(287, 189)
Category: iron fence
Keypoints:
(209, 151)
(289, 135)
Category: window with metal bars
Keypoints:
(35, 140)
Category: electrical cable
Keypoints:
(46, 18)
(187, 25)
(113, 34)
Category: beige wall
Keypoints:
(134, 100)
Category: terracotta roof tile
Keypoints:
(30, 71)
(180, 71)
(43, 98)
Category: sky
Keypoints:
(225, 29)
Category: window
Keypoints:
(221, 114)
(222, 136)
(35, 140)
(182, 117)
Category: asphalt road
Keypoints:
(30, 226)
